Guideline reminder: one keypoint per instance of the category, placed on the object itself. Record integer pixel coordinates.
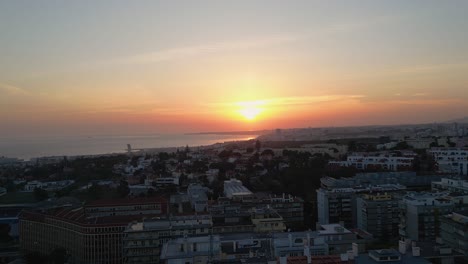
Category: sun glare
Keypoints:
(250, 110)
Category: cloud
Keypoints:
(291, 101)
(12, 90)
(183, 52)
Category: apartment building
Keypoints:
(451, 160)
(339, 204)
(89, 235)
(127, 206)
(378, 214)
(191, 250)
(420, 214)
(376, 161)
(143, 240)
(454, 231)
(452, 185)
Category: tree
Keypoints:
(352, 146)
(402, 145)
(40, 194)
(123, 189)
(5, 233)
(258, 145)
(268, 152)
(35, 258)
(58, 256)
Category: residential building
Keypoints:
(454, 231)
(452, 185)
(266, 220)
(198, 198)
(90, 235)
(191, 250)
(406, 178)
(127, 206)
(420, 214)
(376, 161)
(451, 160)
(378, 214)
(291, 208)
(339, 204)
(143, 240)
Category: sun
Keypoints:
(250, 113)
(250, 110)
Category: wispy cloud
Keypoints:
(291, 101)
(428, 68)
(183, 52)
(12, 90)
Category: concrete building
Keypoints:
(380, 161)
(143, 240)
(451, 160)
(89, 236)
(378, 214)
(406, 178)
(48, 186)
(390, 256)
(339, 204)
(266, 220)
(198, 198)
(191, 250)
(420, 215)
(452, 185)
(289, 207)
(234, 189)
(454, 231)
(127, 206)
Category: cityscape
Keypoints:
(243, 132)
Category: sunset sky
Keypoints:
(96, 67)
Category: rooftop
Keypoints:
(126, 201)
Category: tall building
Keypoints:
(454, 231)
(420, 214)
(339, 204)
(87, 238)
(378, 214)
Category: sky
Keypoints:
(120, 67)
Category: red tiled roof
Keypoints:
(77, 216)
(127, 201)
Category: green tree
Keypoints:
(122, 189)
(40, 194)
(258, 145)
(5, 233)
(58, 256)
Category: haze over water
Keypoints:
(26, 148)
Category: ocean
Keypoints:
(27, 148)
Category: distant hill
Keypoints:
(459, 120)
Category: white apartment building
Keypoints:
(375, 161)
(451, 160)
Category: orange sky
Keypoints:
(159, 67)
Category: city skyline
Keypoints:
(149, 66)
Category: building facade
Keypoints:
(378, 214)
